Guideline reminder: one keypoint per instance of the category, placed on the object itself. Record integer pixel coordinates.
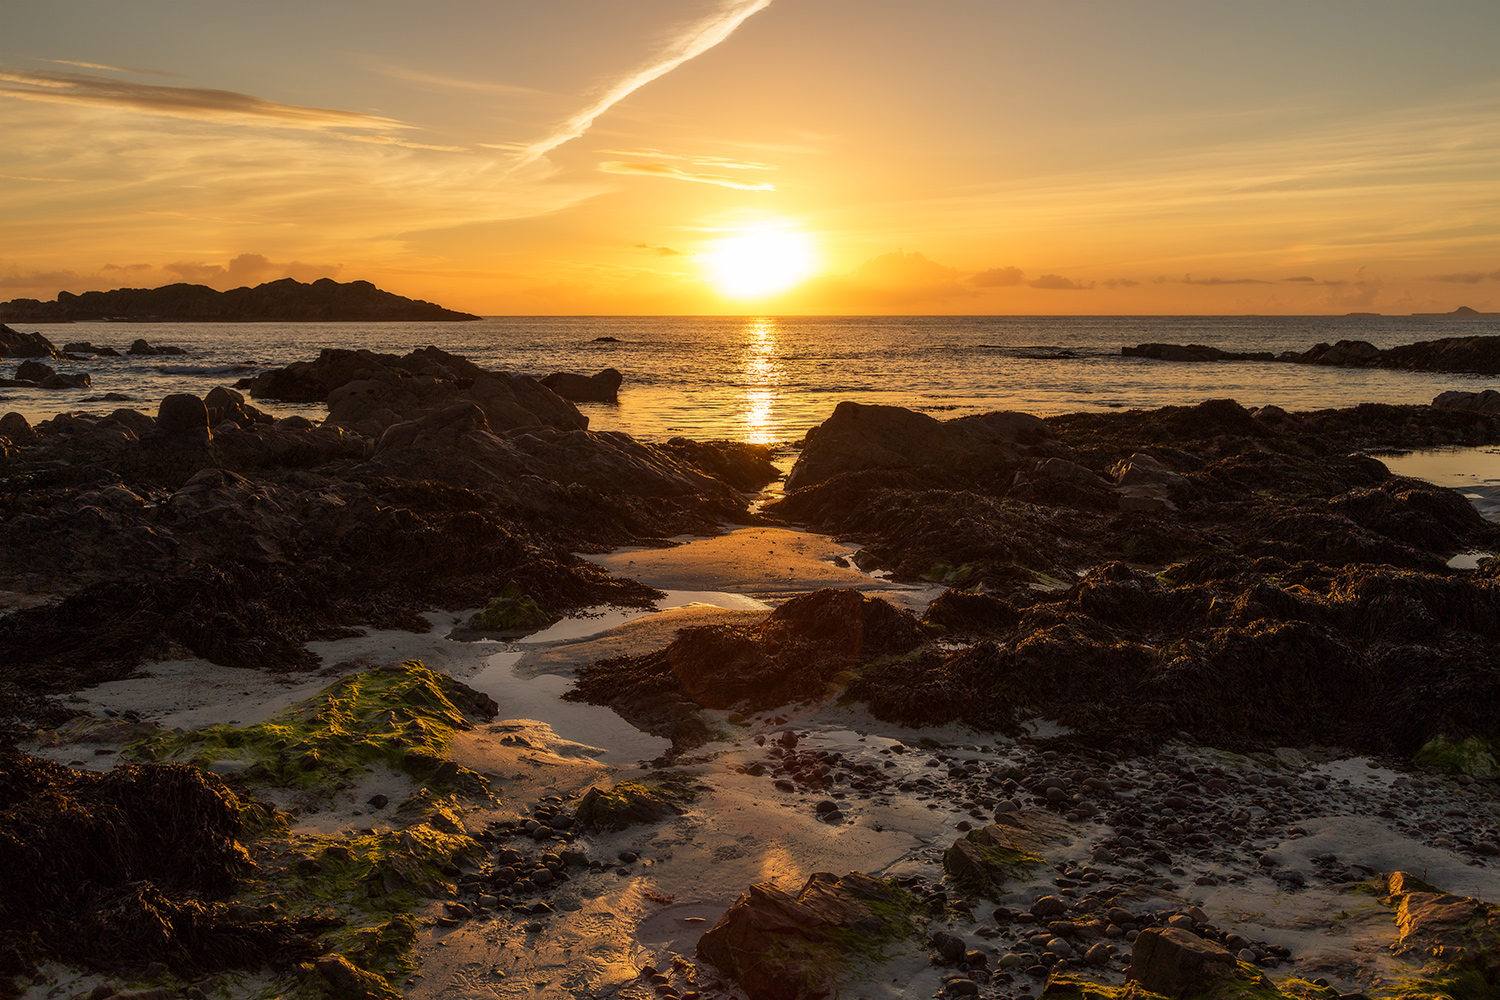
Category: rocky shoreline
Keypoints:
(1194, 682)
(1477, 355)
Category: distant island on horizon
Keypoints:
(286, 300)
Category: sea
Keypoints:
(769, 379)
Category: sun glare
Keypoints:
(762, 262)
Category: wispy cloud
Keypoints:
(721, 162)
(39, 180)
(677, 173)
(111, 69)
(694, 42)
(176, 102)
(1188, 279)
(1467, 277)
(452, 82)
(387, 140)
(664, 251)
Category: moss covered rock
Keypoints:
(627, 804)
(983, 860)
(779, 947)
(511, 611)
(1472, 756)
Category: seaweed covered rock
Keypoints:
(776, 946)
(625, 805)
(511, 611)
(982, 861)
(402, 716)
(121, 870)
(1454, 938)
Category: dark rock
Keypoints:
(142, 348)
(625, 805)
(15, 428)
(183, 415)
(70, 380)
(15, 344)
(950, 947)
(1176, 963)
(860, 437)
(85, 347)
(603, 387)
(34, 371)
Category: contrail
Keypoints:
(694, 43)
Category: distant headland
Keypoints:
(287, 300)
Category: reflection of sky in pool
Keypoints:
(1474, 472)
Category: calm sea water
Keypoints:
(770, 379)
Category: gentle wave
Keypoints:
(238, 369)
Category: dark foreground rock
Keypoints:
(801, 653)
(776, 946)
(213, 530)
(125, 869)
(286, 300)
(1236, 577)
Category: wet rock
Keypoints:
(861, 437)
(15, 344)
(34, 371)
(143, 348)
(775, 946)
(183, 415)
(1178, 963)
(949, 947)
(347, 981)
(86, 347)
(624, 805)
(603, 387)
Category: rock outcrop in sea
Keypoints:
(283, 301)
(1477, 355)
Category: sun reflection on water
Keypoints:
(761, 373)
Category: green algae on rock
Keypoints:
(779, 947)
(983, 860)
(1472, 756)
(511, 611)
(402, 716)
(627, 804)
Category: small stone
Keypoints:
(1098, 954)
(1048, 906)
(950, 947)
(962, 988)
(378, 801)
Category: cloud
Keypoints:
(998, 277)
(1188, 279)
(1360, 291)
(1121, 283)
(39, 180)
(127, 268)
(386, 140)
(1466, 277)
(176, 102)
(721, 162)
(664, 251)
(249, 269)
(112, 69)
(37, 279)
(676, 173)
(691, 44)
(898, 277)
(1302, 277)
(451, 82)
(1057, 282)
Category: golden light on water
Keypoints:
(761, 373)
(761, 262)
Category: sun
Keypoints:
(761, 262)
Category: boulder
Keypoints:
(1454, 932)
(141, 347)
(776, 946)
(1143, 470)
(228, 404)
(982, 861)
(15, 344)
(85, 347)
(1177, 963)
(1192, 352)
(181, 415)
(601, 388)
(1346, 353)
(860, 436)
(1487, 401)
(68, 380)
(34, 371)
(625, 805)
(16, 428)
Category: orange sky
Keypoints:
(592, 156)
